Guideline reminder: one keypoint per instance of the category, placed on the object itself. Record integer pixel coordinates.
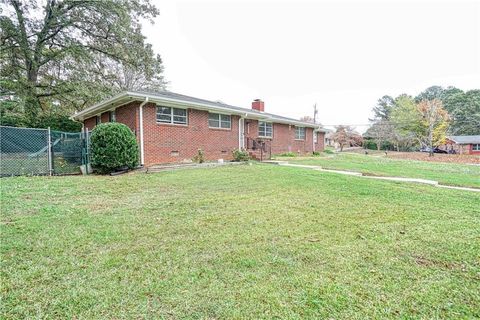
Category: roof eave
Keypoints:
(95, 109)
(130, 96)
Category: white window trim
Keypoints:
(219, 121)
(265, 137)
(304, 133)
(171, 115)
(476, 144)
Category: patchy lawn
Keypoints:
(438, 157)
(423, 156)
(466, 175)
(247, 242)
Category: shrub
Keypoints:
(113, 146)
(316, 153)
(328, 151)
(240, 155)
(199, 157)
(369, 144)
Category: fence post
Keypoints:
(49, 151)
(87, 150)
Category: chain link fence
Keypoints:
(28, 151)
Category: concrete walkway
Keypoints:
(359, 174)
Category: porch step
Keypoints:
(257, 155)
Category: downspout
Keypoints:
(142, 148)
(240, 133)
(313, 139)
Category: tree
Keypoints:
(380, 132)
(464, 109)
(427, 122)
(405, 120)
(452, 98)
(70, 52)
(307, 119)
(433, 92)
(434, 123)
(344, 135)
(383, 108)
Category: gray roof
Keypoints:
(180, 98)
(465, 139)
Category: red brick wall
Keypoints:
(320, 145)
(174, 143)
(283, 139)
(458, 148)
(471, 151)
(90, 123)
(105, 117)
(128, 114)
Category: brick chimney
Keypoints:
(258, 105)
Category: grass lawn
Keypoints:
(446, 173)
(248, 242)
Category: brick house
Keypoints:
(171, 127)
(463, 144)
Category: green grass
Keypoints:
(243, 242)
(446, 173)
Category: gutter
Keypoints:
(132, 96)
(142, 148)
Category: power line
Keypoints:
(388, 123)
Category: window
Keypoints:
(476, 147)
(171, 115)
(98, 119)
(300, 133)
(111, 116)
(216, 120)
(265, 129)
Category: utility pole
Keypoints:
(315, 112)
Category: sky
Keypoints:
(341, 55)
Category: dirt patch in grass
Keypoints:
(440, 264)
(423, 156)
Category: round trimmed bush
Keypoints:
(113, 147)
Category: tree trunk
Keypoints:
(32, 103)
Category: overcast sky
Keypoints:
(341, 55)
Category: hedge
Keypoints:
(113, 147)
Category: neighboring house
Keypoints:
(463, 144)
(171, 127)
(329, 141)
